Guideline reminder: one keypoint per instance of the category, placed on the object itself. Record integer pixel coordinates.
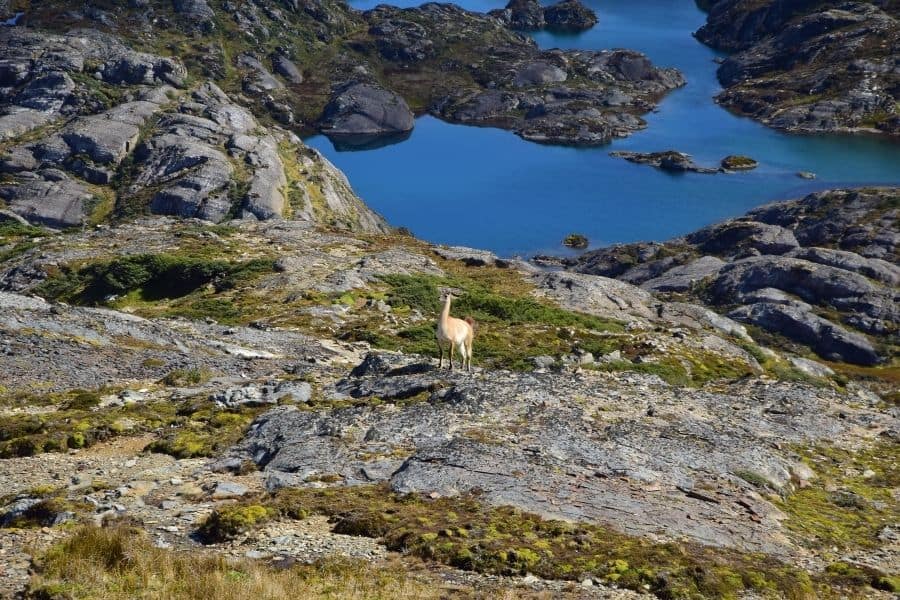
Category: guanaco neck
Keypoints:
(445, 312)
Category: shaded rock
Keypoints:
(286, 68)
(685, 277)
(260, 80)
(816, 284)
(470, 256)
(198, 12)
(49, 197)
(402, 40)
(808, 66)
(875, 268)
(109, 137)
(734, 236)
(827, 339)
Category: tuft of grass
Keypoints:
(121, 563)
(228, 522)
(184, 377)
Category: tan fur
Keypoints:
(457, 333)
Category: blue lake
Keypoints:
(489, 189)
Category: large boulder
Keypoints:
(107, 138)
(539, 72)
(197, 12)
(285, 67)
(366, 109)
(264, 199)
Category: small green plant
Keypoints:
(184, 377)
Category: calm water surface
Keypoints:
(487, 188)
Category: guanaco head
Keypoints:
(448, 292)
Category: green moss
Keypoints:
(188, 428)
(849, 502)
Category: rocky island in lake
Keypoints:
(219, 372)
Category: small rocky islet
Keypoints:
(218, 360)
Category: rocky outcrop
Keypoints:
(530, 15)
(457, 65)
(195, 154)
(669, 160)
(557, 97)
(796, 322)
(569, 15)
(809, 66)
(524, 15)
(537, 448)
(821, 271)
(679, 162)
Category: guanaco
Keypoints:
(458, 333)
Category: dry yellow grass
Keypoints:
(122, 563)
(119, 563)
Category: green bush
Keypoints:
(154, 276)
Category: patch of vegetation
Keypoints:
(191, 428)
(47, 512)
(575, 240)
(849, 502)
(184, 377)
(16, 239)
(511, 326)
(755, 479)
(150, 276)
(228, 522)
(120, 563)
(67, 399)
(467, 533)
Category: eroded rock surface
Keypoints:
(537, 442)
